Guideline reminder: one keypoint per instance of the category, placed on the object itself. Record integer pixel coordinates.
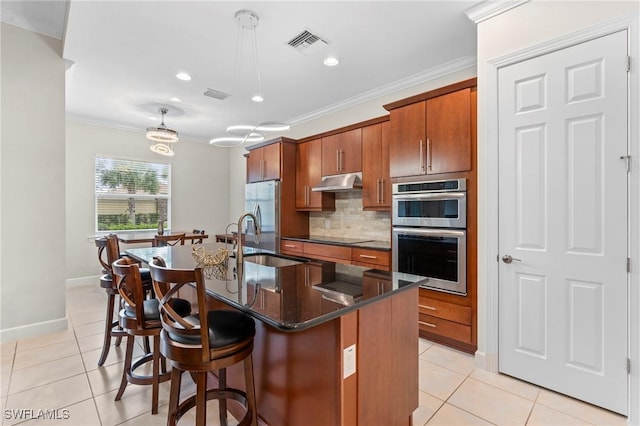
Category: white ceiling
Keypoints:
(126, 55)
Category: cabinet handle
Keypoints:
(366, 256)
(428, 324)
(337, 160)
(306, 276)
(290, 246)
(261, 169)
(378, 191)
(421, 157)
(429, 154)
(381, 191)
(306, 195)
(431, 308)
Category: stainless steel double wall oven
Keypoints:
(429, 234)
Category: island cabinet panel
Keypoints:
(342, 153)
(264, 163)
(376, 185)
(308, 175)
(388, 380)
(432, 136)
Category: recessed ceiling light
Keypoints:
(175, 99)
(257, 98)
(331, 61)
(183, 76)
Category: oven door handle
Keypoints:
(430, 196)
(430, 232)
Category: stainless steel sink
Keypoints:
(271, 260)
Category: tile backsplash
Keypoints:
(350, 221)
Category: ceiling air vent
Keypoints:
(216, 94)
(306, 42)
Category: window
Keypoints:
(131, 195)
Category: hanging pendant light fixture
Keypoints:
(162, 133)
(239, 134)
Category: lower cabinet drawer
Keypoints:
(291, 246)
(445, 328)
(444, 310)
(323, 251)
(369, 257)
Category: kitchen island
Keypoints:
(335, 344)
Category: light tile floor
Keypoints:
(59, 372)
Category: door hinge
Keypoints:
(627, 159)
(628, 365)
(628, 63)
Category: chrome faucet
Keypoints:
(239, 250)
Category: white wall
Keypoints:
(199, 186)
(32, 171)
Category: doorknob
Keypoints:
(508, 259)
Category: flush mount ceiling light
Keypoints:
(238, 134)
(183, 76)
(162, 133)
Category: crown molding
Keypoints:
(491, 8)
(388, 89)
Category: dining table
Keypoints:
(131, 237)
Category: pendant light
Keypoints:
(162, 133)
(239, 134)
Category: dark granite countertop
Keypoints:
(340, 241)
(289, 298)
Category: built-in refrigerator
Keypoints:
(263, 200)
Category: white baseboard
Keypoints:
(488, 362)
(82, 281)
(35, 329)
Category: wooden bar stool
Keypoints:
(203, 343)
(140, 317)
(110, 247)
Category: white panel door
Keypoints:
(563, 221)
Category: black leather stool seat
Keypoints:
(152, 309)
(225, 328)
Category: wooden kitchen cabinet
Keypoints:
(378, 259)
(376, 184)
(374, 284)
(432, 136)
(342, 153)
(308, 175)
(264, 163)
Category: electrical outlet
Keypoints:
(327, 224)
(348, 361)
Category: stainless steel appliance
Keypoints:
(441, 203)
(429, 236)
(263, 200)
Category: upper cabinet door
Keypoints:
(342, 153)
(376, 186)
(264, 163)
(308, 175)
(449, 132)
(407, 150)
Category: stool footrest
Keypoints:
(227, 393)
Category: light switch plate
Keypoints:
(348, 361)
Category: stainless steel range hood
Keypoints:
(340, 183)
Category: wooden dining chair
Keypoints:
(197, 240)
(169, 240)
(207, 341)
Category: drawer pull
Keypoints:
(290, 246)
(431, 308)
(366, 256)
(428, 324)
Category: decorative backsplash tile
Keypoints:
(350, 221)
